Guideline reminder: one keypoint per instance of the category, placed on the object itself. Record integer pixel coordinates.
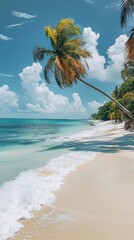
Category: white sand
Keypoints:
(96, 202)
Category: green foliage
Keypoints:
(65, 55)
(124, 95)
(127, 86)
(103, 112)
(67, 51)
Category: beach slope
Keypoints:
(96, 202)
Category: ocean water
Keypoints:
(35, 157)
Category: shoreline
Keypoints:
(95, 202)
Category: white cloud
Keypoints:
(42, 100)
(100, 68)
(89, 1)
(8, 99)
(23, 15)
(113, 5)
(4, 38)
(94, 105)
(15, 25)
(18, 24)
(5, 75)
(76, 104)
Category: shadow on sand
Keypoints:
(125, 142)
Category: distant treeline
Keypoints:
(124, 94)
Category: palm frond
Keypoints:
(66, 30)
(57, 75)
(58, 64)
(74, 42)
(67, 22)
(65, 36)
(130, 47)
(131, 32)
(67, 73)
(128, 96)
(76, 45)
(51, 33)
(80, 52)
(39, 53)
(127, 8)
(123, 74)
(49, 67)
(87, 65)
(80, 71)
(75, 65)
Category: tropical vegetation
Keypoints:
(125, 95)
(65, 57)
(127, 11)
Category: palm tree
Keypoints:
(124, 72)
(130, 48)
(128, 96)
(127, 8)
(128, 70)
(64, 61)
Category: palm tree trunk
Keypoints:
(112, 99)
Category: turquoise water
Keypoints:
(25, 143)
(37, 155)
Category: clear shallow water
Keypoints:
(35, 157)
(29, 131)
(25, 143)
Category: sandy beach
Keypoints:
(96, 202)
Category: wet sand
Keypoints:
(96, 202)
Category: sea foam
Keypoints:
(34, 188)
(99, 131)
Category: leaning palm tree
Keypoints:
(65, 57)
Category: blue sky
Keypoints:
(23, 92)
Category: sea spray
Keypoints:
(34, 188)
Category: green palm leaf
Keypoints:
(129, 96)
(66, 54)
(66, 30)
(49, 67)
(58, 77)
(39, 53)
(51, 33)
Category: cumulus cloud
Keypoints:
(42, 100)
(4, 38)
(23, 15)
(94, 105)
(8, 99)
(100, 68)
